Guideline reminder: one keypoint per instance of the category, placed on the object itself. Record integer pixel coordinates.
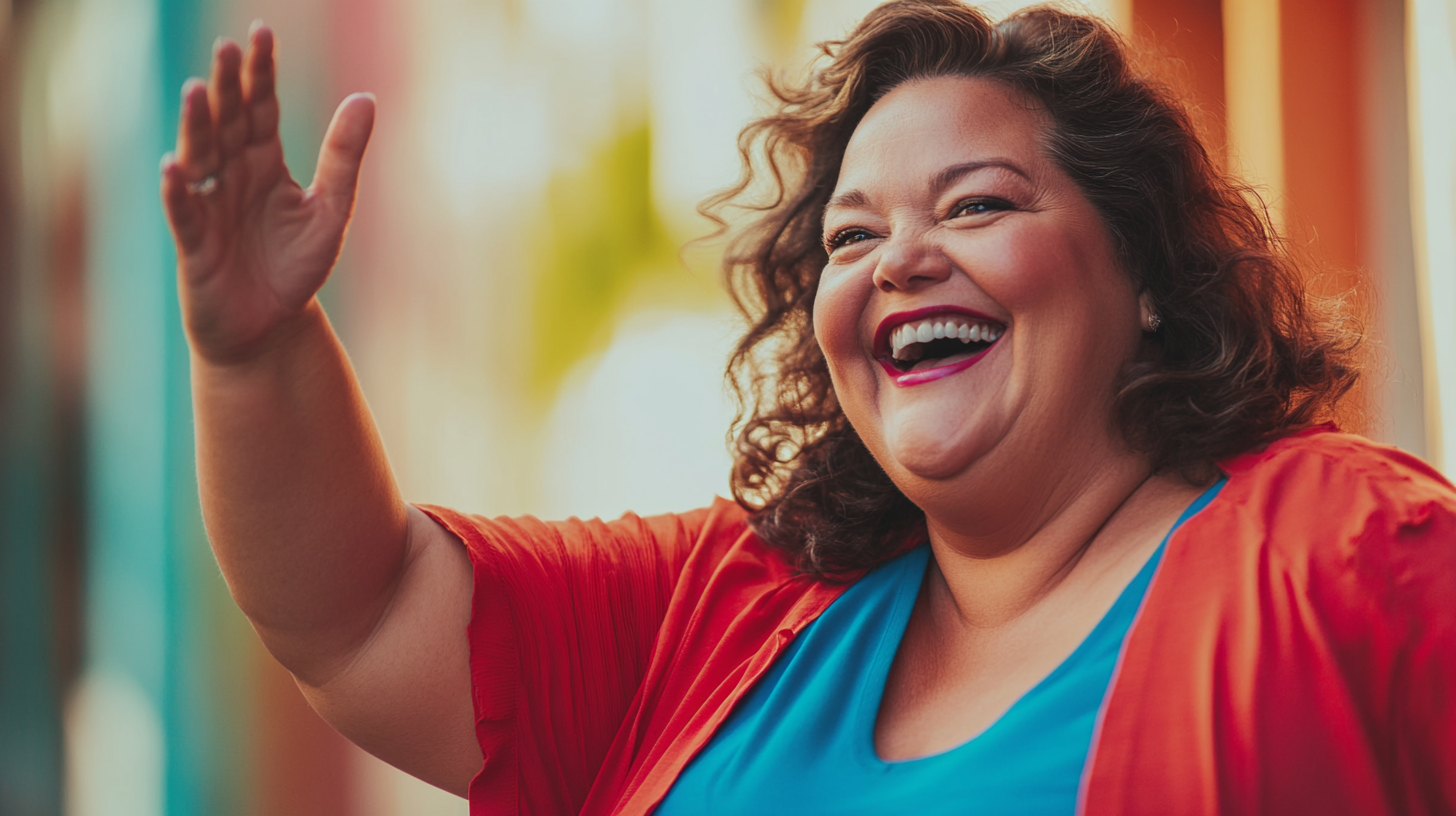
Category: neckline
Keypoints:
(867, 709)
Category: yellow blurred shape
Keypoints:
(1252, 90)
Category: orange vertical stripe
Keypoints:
(1322, 126)
(1324, 157)
(1191, 32)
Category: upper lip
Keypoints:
(892, 321)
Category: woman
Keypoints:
(1018, 347)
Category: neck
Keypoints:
(999, 557)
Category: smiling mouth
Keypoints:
(941, 340)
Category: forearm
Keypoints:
(297, 495)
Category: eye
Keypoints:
(980, 206)
(845, 237)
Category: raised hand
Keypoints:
(253, 246)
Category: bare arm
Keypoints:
(362, 598)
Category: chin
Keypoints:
(929, 453)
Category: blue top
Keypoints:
(802, 741)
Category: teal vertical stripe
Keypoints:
(151, 580)
(30, 742)
(197, 771)
(126, 412)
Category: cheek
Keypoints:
(1032, 269)
(1068, 280)
(838, 308)
(1080, 323)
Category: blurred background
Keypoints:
(530, 333)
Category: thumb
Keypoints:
(337, 176)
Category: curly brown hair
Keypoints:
(1244, 355)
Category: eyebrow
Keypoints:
(955, 172)
(938, 182)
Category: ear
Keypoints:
(1150, 320)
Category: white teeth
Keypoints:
(909, 334)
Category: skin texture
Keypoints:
(1038, 514)
(363, 598)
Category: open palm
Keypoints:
(253, 246)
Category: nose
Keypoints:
(910, 264)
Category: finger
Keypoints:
(259, 95)
(196, 138)
(184, 211)
(337, 176)
(225, 94)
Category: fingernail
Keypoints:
(254, 26)
(217, 44)
(167, 159)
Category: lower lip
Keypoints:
(925, 375)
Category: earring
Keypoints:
(1151, 320)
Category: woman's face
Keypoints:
(950, 219)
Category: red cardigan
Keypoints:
(1296, 652)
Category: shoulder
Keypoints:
(685, 550)
(1304, 613)
(1348, 519)
(727, 558)
(721, 521)
(1331, 475)
(720, 524)
(1344, 454)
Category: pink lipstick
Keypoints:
(903, 339)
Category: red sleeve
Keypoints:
(1378, 585)
(1359, 592)
(1421, 582)
(1297, 650)
(562, 626)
